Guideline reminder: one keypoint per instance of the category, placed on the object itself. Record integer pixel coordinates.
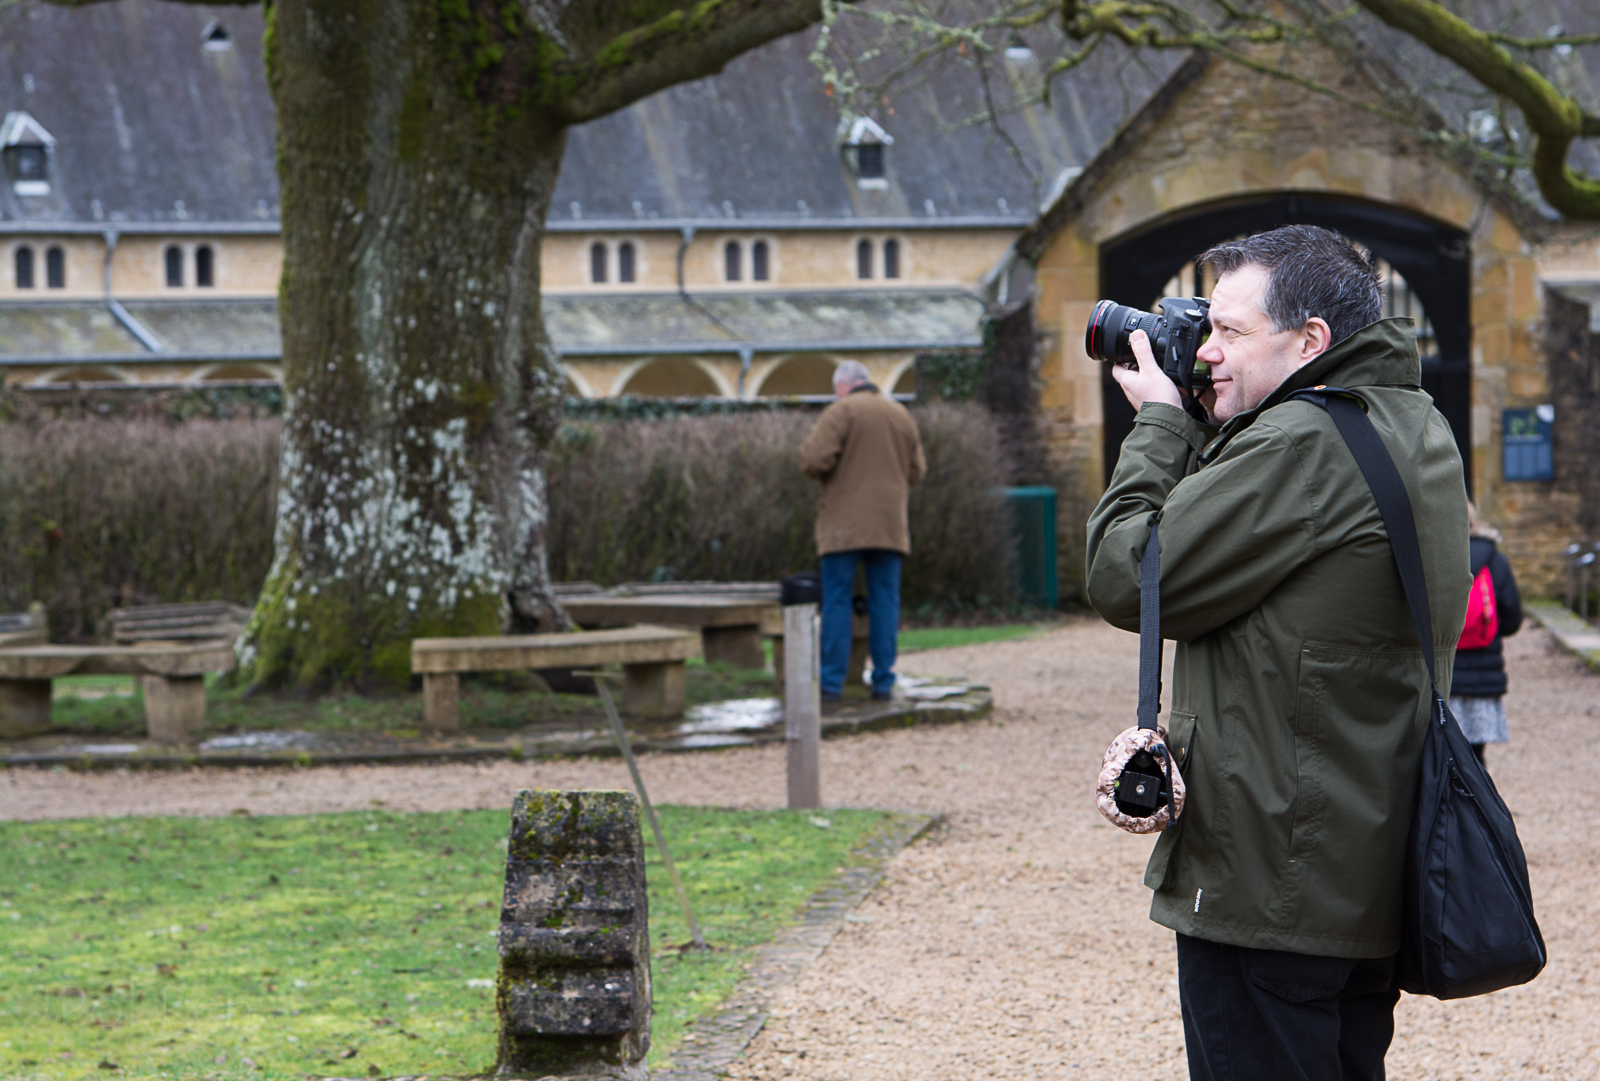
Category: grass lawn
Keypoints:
(496, 702)
(346, 944)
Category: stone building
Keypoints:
(727, 238)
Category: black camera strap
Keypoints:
(1150, 660)
(1150, 631)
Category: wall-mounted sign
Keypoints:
(1526, 443)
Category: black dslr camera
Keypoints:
(1176, 335)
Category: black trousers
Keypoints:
(1267, 1015)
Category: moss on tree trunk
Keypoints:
(419, 387)
(419, 142)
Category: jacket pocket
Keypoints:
(1181, 730)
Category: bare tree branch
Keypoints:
(1556, 119)
(689, 42)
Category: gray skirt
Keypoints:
(1482, 720)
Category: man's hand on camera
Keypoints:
(1149, 383)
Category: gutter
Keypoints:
(118, 312)
(739, 349)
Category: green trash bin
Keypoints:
(1033, 525)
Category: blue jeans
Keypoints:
(883, 609)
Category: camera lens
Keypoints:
(1109, 327)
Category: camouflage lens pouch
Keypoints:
(1139, 788)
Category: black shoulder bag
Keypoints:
(1469, 927)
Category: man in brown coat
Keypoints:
(866, 452)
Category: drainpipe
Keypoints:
(687, 232)
(746, 354)
(118, 312)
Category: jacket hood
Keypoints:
(1383, 354)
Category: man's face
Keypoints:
(1248, 359)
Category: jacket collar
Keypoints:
(1383, 354)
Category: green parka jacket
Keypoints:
(1300, 695)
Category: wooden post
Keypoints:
(802, 703)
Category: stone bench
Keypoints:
(173, 679)
(730, 627)
(198, 622)
(652, 659)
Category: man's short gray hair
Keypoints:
(1311, 272)
(851, 371)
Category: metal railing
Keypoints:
(1580, 560)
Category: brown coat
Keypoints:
(866, 452)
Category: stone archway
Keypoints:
(807, 374)
(672, 377)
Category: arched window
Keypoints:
(864, 259)
(625, 261)
(174, 266)
(597, 263)
(55, 268)
(24, 268)
(758, 261)
(731, 269)
(204, 267)
(891, 258)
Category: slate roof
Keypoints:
(51, 332)
(653, 323)
(611, 324)
(762, 138)
(149, 126)
(153, 128)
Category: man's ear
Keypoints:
(1318, 337)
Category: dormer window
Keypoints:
(214, 38)
(864, 153)
(26, 147)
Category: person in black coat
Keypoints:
(1477, 690)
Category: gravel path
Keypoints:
(1013, 942)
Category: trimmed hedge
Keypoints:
(722, 498)
(103, 512)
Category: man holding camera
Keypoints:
(1300, 696)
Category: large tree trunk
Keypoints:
(419, 387)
